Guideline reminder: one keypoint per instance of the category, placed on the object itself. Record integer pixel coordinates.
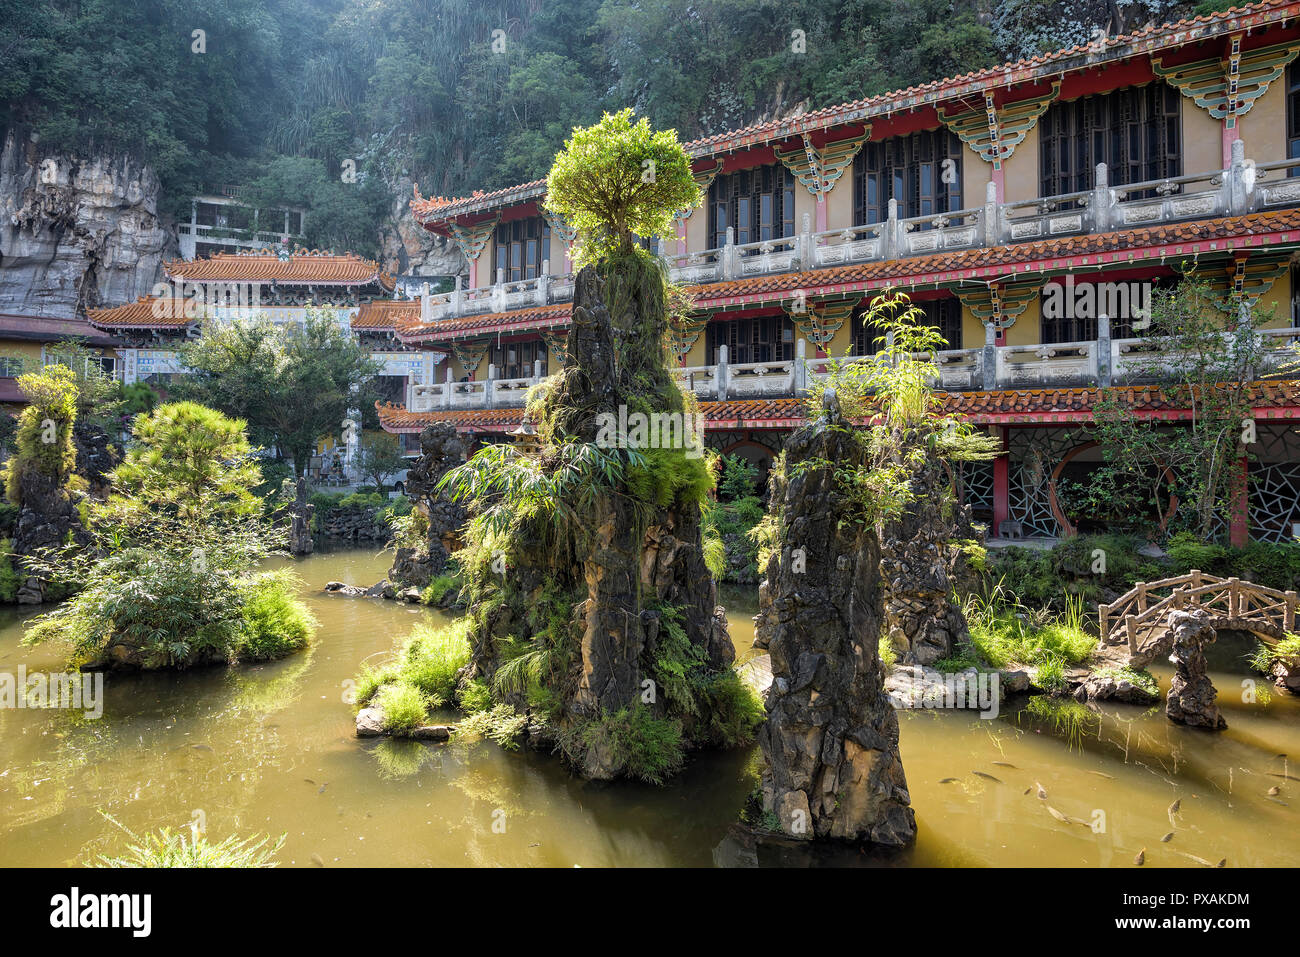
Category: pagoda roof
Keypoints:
(302, 267)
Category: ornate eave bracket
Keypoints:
(818, 322)
(469, 354)
(703, 179)
(567, 233)
(995, 132)
(1250, 277)
(998, 305)
(818, 169)
(684, 333)
(471, 240)
(1227, 87)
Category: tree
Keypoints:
(170, 575)
(1204, 352)
(293, 384)
(379, 457)
(618, 180)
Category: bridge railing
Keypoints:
(1233, 598)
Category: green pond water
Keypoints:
(270, 749)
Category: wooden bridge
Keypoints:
(1234, 605)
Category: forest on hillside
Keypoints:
(329, 103)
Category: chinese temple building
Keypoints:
(1028, 210)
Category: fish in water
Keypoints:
(310, 781)
(323, 787)
(949, 781)
(1285, 777)
(1057, 814)
(318, 860)
(1173, 808)
(200, 747)
(1042, 791)
(1027, 790)
(1103, 774)
(1274, 791)
(1167, 838)
(1141, 858)
(1202, 861)
(990, 777)
(1003, 764)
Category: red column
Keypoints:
(1239, 529)
(1001, 483)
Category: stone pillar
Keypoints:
(832, 768)
(1192, 698)
(1103, 351)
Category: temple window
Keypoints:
(514, 360)
(757, 203)
(944, 314)
(756, 339)
(1136, 132)
(520, 248)
(910, 169)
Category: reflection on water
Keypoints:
(271, 749)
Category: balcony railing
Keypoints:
(1100, 362)
(1243, 187)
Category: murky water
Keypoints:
(270, 749)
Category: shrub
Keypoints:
(403, 705)
(432, 659)
(276, 622)
(735, 711)
(638, 744)
(502, 724)
(474, 696)
(168, 848)
(10, 578)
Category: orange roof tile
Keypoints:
(314, 267)
(1273, 399)
(147, 312)
(536, 317)
(386, 313)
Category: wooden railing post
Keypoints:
(1131, 624)
(1233, 596)
(1288, 614)
(1103, 622)
(1142, 597)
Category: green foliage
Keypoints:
(379, 457)
(500, 723)
(436, 590)
(404, 706)
(291, 383)
(715, 552)
(168, 848)
(617, 180)
(43, 443)
(276, 622)
(1004, 633)
(669, 477)
(474, 696)
(739, 478)
(432, 659)
(169, 574)
(734, 710)
(138, 399)
(1139, 677)
(10, 578)
(637, 744)
(888, 656)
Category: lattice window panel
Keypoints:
(977, 483)
(1034, 454)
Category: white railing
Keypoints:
(1243, 187)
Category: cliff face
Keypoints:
(76, 231)
(408, 249)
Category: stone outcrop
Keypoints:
(76, 231)
(47, 519)
(1191, 699)
(441, 450)
(919, 565)
(410, 251)
(830, 744)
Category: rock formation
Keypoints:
(830, 745)
(407, 249)
(76, 231)
(1192, 696)
(617, 563)
(47, 519)
(919, 564)
(441, 449)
